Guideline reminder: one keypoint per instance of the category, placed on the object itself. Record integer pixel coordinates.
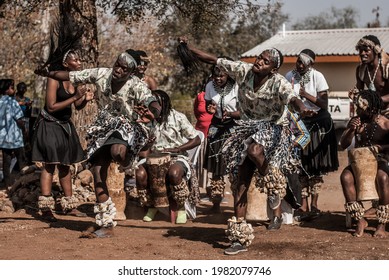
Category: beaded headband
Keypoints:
(66, 55)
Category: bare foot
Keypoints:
(380, 231)
(361, 225)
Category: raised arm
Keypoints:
(56, 75)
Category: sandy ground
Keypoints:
(22, 237)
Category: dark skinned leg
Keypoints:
(46, 181)
(255, 152)
(175, 176)
(66, 184)
(245, 174)
(350, 194)
(141, 184)
(65, 179)
(7, 158)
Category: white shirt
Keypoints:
(229, 101)
(317, 83)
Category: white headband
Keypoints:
(306, 59)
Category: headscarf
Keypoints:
(277, 56)
(129, 60)
(307, 57)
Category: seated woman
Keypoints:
(174, 135)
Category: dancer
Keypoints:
(221, 95)
(260, 142)
(55, 141)
(142, 60)
(321, 154)
(369, 129)
(175, 135)
(120, 130)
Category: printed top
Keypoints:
(268, 102)
(133, 92)
(174, 133)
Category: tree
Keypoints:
(231, 36)
(332, 19)
(376, 22)
(147, 21)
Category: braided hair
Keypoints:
(165, 103)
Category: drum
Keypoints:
(115, 185)
(256, 204)
(364, 165)
(157, 166)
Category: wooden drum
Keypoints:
(364, 165)
(157, 166)
(256, 203)
(115, 185)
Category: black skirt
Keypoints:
(56, 143)
(218, 132)
(321, 154)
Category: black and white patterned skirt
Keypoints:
(109, 129)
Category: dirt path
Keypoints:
(23, 237)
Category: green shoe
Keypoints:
(150, 215)
(181, 216)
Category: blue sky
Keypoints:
(299, 9)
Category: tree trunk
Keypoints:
(84, 12)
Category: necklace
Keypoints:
(302, 79)
(223, 92)
(369, 138)
(371, 85)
